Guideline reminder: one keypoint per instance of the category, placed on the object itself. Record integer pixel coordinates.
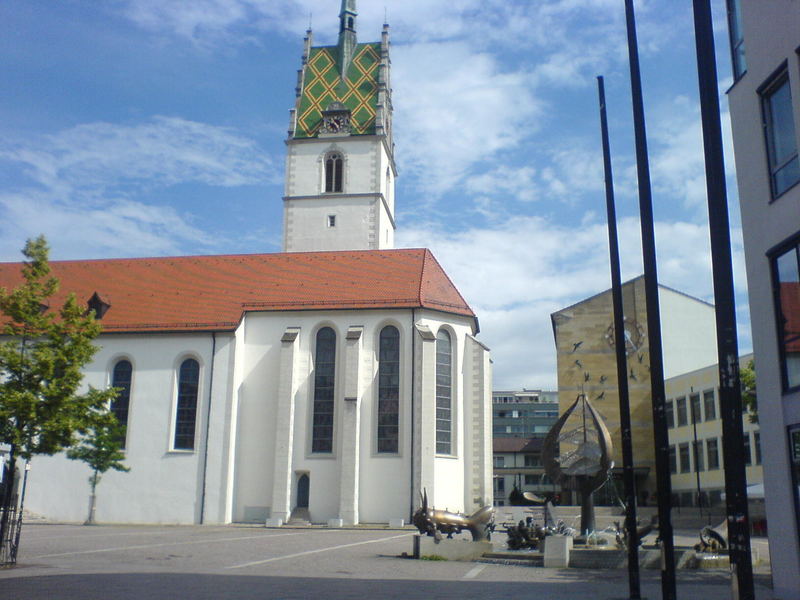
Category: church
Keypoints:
(333, 382)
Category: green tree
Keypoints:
(42, 354)
(747, 376)
(101, 449)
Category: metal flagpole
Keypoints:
(660, 433)
(622, 363)
(727, 344)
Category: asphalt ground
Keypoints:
(206, 562)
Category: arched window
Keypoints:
(186, 411)
(324, 389)
(444, 393)
(121, 379)
(389, 390)
(333, 172)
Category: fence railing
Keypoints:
(11, 526)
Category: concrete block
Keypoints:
(274, 522)
(465, 550)
(556, 551)
(335, 522)
(397, 523)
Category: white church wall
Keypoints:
(163, 484)
(355, 225)
(449, 470)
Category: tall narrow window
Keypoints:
(333, 172)
(673, 460)
(780, 133)
(121, 379)
(186, 412)
(697, 451)
(324, 389)
(786, 273)
(444, 393)
(669, 412)
(748, 456)
(389, 390)
(709, 405)
(695, 407)
(712, 450)
(683, 455)
(681, 409)
(737, 38)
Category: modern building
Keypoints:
(695, 438)
(525, 413)
(764, 103)
(333, 382)
(586, 361)
(518, 465)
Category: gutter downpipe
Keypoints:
(208, 426)
(413, 387)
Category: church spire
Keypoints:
(347, 35)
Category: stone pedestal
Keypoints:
(465, 550)
(556, 551)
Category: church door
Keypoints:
(302, 491)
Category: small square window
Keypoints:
(331, 220)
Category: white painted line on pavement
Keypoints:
(307, 552)
(139, 547)
(474, 572)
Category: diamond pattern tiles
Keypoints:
(323, 85)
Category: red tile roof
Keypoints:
(203, 293)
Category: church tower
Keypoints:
(340, 171)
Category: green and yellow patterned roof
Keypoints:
(323, 85)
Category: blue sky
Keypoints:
(157, 127)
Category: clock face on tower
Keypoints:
(634, 335)
(338, 123)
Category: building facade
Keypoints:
(586, 361)
(695, 438)
(325, 386)
(526, 413)
(764, 103)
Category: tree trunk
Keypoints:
(92, 499)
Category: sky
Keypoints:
(157, 127)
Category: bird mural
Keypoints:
(575, 346)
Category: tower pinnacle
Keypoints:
(347, 35)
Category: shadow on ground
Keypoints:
(567, 585)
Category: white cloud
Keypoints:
(89, 186)
(451, 119)
(516, 273)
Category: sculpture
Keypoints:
(584, 468)
(712, 539)
(435, 522)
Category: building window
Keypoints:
(736, 38)
(334, 165)
(532, 460)
(324, 389)
(331, 221)
(531, 480)
(697, 416)
(681, 402)
(673, 460)
(121, 379)
(500, 484)
(757, 444)
(444, 393)
(712, 452)
(786, 273)
(697, 450)
(186, 411)
(776, 98)
(709, 405)
(683, 453)
(669, 412)
(748, 458)
(389, 390)
(499, 461)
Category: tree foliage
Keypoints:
(42, 354)
(747, 376)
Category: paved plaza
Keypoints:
(126, 562)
